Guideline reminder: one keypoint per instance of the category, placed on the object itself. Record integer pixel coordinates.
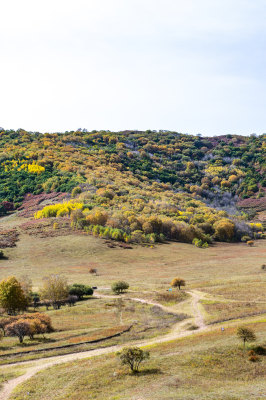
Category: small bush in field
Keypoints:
(250, 243)
(119, 287)
(133, 357)
(253, 358)
(245, 238)
(93, 271)
(260, 350)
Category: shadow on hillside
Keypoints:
(150, 371)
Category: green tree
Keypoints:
(12, 296)
(133, 357)
(246, 334)
(80, 290)
(120, 287)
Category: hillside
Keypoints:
(148, 196)
(136, 186)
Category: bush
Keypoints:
(133, 357)
(80, 290)
(224, 230)
(250, 243)
(77, 190)
(253, 358)
(200, 243)
(27, 325)
(260, 350)
(245, 239)
(119, 287)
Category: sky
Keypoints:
(192, 66)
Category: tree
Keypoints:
(133, 357)
(35, 299)
(4, 322)
(55, 289)
(72, 299)
(12, 296)
(178, 282)
(19, 328)
(80, 290)
(119, 287)
(26, 284)
(246, 334)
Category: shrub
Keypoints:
(260, 350)
(250, 243)
(245, 239)
(77, 190)
(27, 325)
(133, 357)
(80, 290)
(93, 271)
(200, 243)
(58, 210)
(224, 230)
(119, 287)
(253, 358)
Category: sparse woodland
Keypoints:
(140, 187)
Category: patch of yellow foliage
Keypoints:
(23, 166)
(58, 210)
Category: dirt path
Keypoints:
(143, 301)
(199, 320)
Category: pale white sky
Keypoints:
(194, 66)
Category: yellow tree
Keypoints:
(178, 282)
(12, 296)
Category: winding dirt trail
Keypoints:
(177, 332)
(42, 363)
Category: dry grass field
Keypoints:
(210, 365)
(230, 270)
(227, 278)
(87, 321)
